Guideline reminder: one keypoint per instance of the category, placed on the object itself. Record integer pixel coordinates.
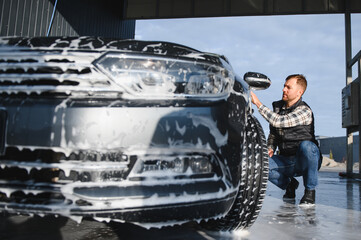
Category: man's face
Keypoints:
(292, 92)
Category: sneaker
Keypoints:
(308, 197)
(291, 189)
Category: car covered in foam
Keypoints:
(133, 131)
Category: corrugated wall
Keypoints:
(72, 18)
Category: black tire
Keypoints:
(253, 182)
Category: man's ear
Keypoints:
(300, 91)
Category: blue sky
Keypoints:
(277, 46)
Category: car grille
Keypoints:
(35, 177)
(43, 71)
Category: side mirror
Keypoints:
(257, 81)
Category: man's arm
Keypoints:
(271, 142)
(302, 115)
(255, 100)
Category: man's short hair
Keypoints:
(301, 80)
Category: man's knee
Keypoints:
(308, 155)
(306, 144)
(308, 147)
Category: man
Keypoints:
(292, 131)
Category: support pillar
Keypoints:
(348, 48)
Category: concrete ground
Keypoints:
(336, 215)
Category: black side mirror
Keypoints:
(257, 81)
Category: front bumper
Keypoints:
(82, 190)
(79, 161)
(148, 201)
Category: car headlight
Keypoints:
(161, 77)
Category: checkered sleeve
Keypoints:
(272, 141)
(302, 115)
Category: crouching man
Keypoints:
(292, 132)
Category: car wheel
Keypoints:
(253, 182)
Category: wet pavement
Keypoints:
(337, 215)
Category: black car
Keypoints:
(142, 132)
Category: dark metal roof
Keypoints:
(157, 9)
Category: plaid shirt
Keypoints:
(302, 115)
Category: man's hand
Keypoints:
(270, 152)
(255, 100)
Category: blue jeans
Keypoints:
(305, 163)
